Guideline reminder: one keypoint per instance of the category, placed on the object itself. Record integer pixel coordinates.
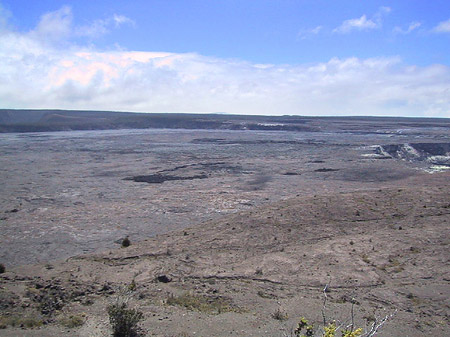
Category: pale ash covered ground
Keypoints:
(387, 248)
(64, 193)
(278, 217)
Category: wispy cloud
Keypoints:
(94, 30)
(122, 19)
(442, 27)
(363, 23)
(306, 33)
(411, 27)
(37, 74)
(381, 12)
(4, 17)
(54, 26)
(58, 26)
(103, 26)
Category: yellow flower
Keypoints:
(330, 330)
(354, 333)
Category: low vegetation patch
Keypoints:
(280, 315)
(394, 266)
(17, 321)
(263, 294)
(124, 321)
(334, 329)
(208, 305)
(72, 321)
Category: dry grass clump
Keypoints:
(208, 305)
(280, 315)
(72, 321)
(17, 321)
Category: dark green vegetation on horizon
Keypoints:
(65, 120)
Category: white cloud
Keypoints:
(57, 26)
(363, 23)
(96, 29)
(54, 26)
(305, 33)
(383, 10)
(121, 19)
(442, 27)
(412, 26)
(101, 27)
(316, 30)
(4, 17)
(35, 74)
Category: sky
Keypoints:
(260, 57)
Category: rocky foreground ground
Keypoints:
(254, 273)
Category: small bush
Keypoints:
(280, 315)
(2, 268)
(365, 258)
(126, 242)
(73, 321)
(132, 286)
(124, 321)
(305, 329)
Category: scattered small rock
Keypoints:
(163, 279)
(14, 210)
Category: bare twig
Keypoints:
(353, 315)
(347, 326)
(378, 324)
(324, 304)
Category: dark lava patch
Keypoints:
(326, 170)
(188, 172)
(160, 178)
(212, 167)
(14, 210)
(291, 174)
(249, 142)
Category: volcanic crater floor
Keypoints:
(254, 273)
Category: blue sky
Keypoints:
(251, 57)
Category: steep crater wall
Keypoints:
(434, 153)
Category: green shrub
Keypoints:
(306, 329)
(132, 286)
(124, 321)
